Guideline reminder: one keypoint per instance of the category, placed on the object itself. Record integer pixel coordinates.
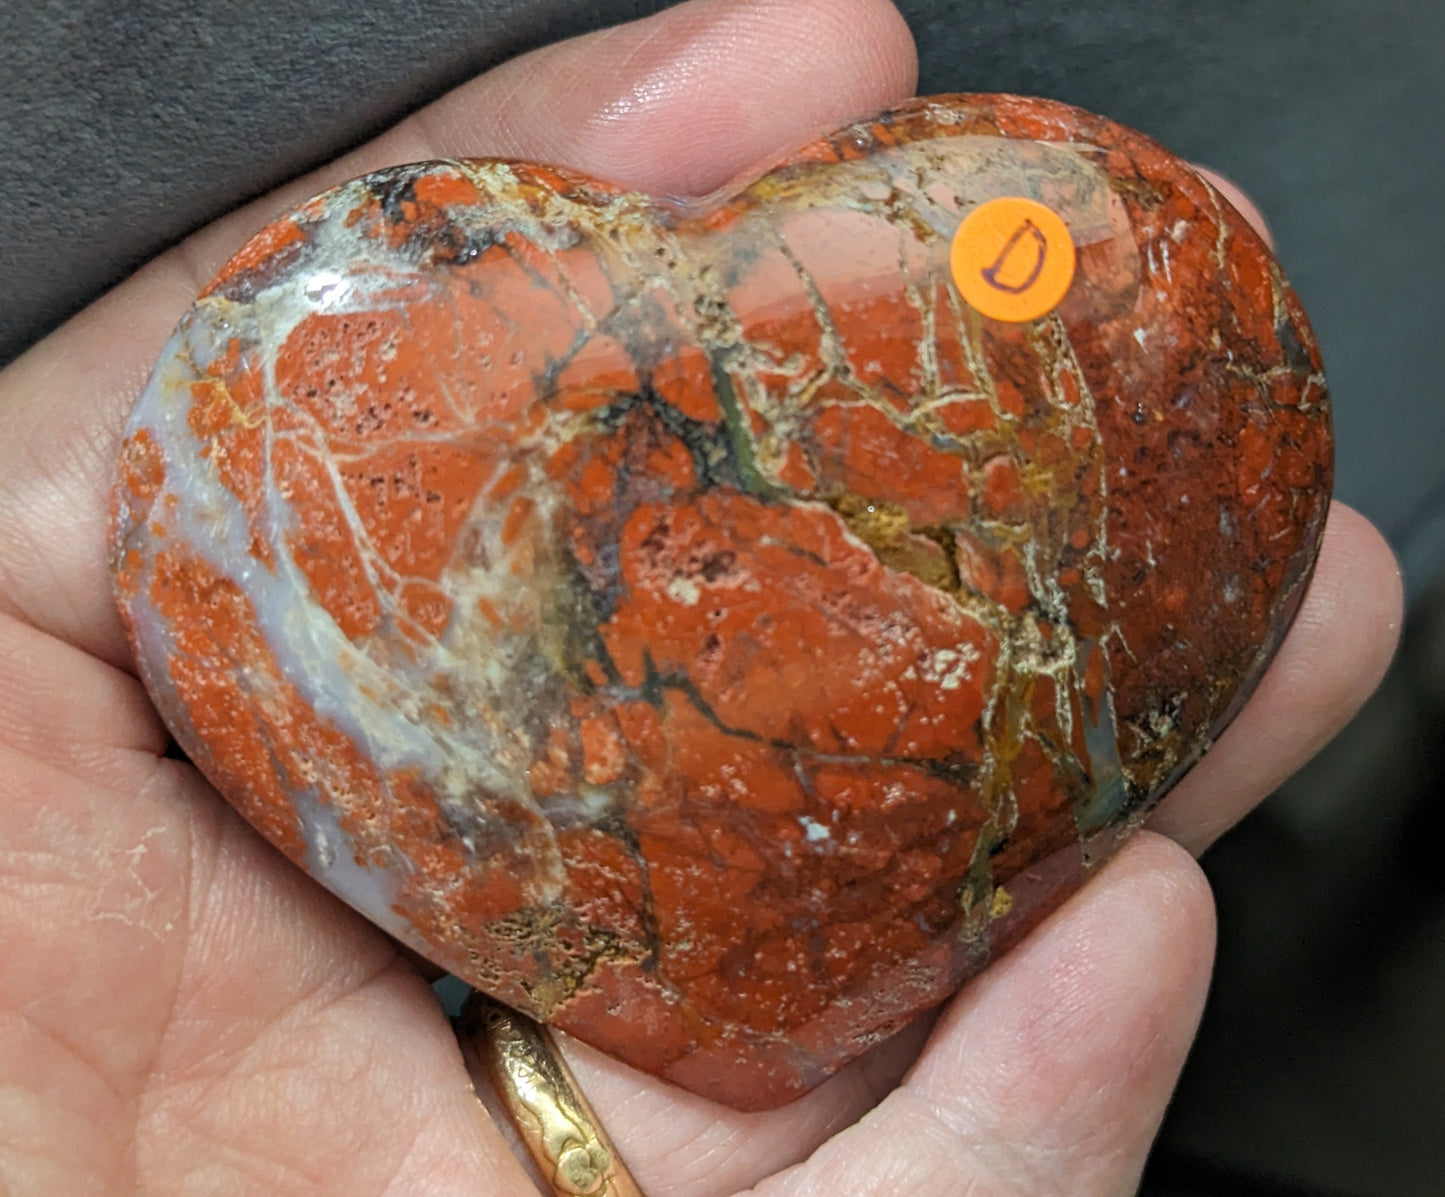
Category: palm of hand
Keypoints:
(180, 1011)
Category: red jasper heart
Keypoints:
(718, 628)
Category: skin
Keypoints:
(182, 1012)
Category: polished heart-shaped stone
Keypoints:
(718, 628)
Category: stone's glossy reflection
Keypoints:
(694, 625)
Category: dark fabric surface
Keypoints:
(126, 123)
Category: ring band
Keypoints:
(544, 1102)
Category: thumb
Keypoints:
(1050, 1073)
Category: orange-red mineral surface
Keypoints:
(718, 628)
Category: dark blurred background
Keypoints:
(124, 124)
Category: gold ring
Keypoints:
(544, 1103)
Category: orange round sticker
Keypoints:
(1013, 259)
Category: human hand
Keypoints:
(181, 1011)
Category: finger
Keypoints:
(675, 104)
(1243, 204)
(678, 102)
(1050, 1073)
(680, 1145)
(1334, 656)
(59, 705)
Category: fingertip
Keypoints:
(1240, 200)
(1358, 584)
(1156, 871)
(1151, 902)
(1056, 1063)
(1336, 653)
(1345, 633)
